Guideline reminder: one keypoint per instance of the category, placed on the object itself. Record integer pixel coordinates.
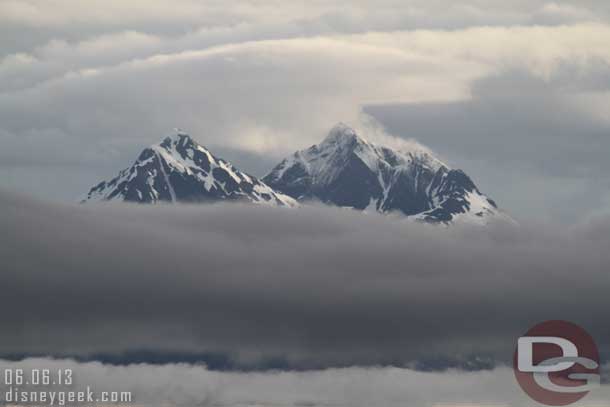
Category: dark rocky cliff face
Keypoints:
(346, 170)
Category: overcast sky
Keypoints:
(516, 93)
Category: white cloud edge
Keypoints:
(192, 385)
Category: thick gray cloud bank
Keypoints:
(312, 287)
(187, 385)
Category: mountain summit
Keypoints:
(180, 170)
(349, 171)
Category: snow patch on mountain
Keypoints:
(348, 171)
(180, 170)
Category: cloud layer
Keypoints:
(313, 287)
(188, 385)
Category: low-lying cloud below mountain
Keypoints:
(189, 385)
(308, 288)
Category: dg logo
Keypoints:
(557, 363)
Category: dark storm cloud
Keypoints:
(311, 287)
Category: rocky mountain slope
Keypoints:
(348, 171)
(180, 170)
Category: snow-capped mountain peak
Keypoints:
(340, 134)
(347, 170)
(178, 169)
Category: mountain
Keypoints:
(348, 171)
(180, 170)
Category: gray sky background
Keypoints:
(515, 93)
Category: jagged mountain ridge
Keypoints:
(180, 170)
(348, 171)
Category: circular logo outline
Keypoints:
(556, 363)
